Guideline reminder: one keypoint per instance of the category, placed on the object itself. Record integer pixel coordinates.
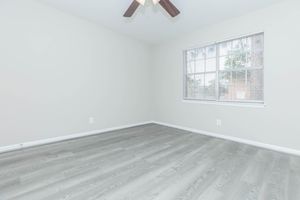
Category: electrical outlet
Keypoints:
(91, 120)
(219, 123)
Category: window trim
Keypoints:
(221, 103)
(246, 103)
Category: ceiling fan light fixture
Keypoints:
(142, 2)
(156, 1)
(166, 4)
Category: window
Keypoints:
(230, 71)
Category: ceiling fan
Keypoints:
(166, 4)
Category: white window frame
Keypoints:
(249, 103)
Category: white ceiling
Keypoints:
(151, 23)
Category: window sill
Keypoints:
(233, 104)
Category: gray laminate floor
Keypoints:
(149, 162)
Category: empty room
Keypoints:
(149, 100)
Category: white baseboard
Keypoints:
(95, 132)
(67, 137)
(235, 139)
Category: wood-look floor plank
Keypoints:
(82, 165)
(149, 162)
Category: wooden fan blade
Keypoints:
(169, 7)
(132, 8)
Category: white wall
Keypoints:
(278, 122)
(57, 70)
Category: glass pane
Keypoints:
(225, 48)
(236, 60)
(233, 86)
(239, 77)
(255, 84)
(200, 54)
(258, 42)
(195, 54)
(225, 80)
(210, 86)
(245, 52)
(199, 86)
(246, 44)
(257, 60)
(211, 51)
(245, 85)
(190, 86)
(238, 44)
(191, 55)
(190, 68)
(238, 87)
(223, 63)
(199, 66)
(211, 65)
